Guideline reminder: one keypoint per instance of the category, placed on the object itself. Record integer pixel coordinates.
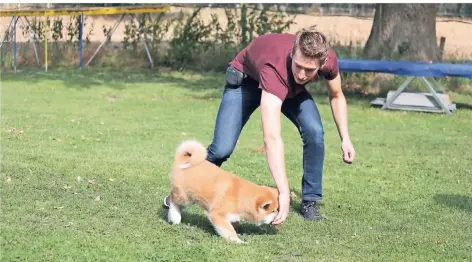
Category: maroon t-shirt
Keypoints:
(267, 60)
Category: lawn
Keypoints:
(86, 157)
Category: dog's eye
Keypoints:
(266, 206)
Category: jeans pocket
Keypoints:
(234, 77)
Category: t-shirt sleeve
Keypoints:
(331, 69)
(270, 81)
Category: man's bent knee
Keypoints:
(218, 154)
(313, 133)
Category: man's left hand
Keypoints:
(348, 151)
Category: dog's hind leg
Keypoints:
(223, 227)
(175, 215)
(176, 205)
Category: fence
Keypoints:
(16, 15)
(459, 10)
(347, 34)
(188, 34)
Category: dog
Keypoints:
(225, 197)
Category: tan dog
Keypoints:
(225, 197)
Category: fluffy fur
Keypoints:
(225, 197)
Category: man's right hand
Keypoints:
(284, 208)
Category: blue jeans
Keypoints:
(237, 105)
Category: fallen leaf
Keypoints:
(9, 180)
(259, 150)
(293, 196)
(79, 179)
(61, 207)
(92, 181)
(68, 224)
(97, 198)
(111, 179)
(111, 98)
(67, 187)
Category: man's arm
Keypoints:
(338, 106)
(274, 147)
(339, 110)
(273, 94)
(270, 114)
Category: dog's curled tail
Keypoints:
(189, 152)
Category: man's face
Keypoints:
(303, 68)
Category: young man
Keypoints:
(271, 72)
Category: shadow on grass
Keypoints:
(463, 106)
(203, 87)
(202, 222)
(456, 201)
(113, 78)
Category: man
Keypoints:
(271, 72)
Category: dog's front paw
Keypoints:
(241, 242)
(237, 240)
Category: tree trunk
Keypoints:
(403, 31)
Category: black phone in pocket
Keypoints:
(234, 77)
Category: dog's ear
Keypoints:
(264, 205)
(263, 202)
(267, 199)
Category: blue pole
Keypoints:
(81, 30)
(14, 41)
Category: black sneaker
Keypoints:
(310, 210)
(166, 202)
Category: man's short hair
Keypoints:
(312, 44)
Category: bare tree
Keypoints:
(404, 31)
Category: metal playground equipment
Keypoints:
(122, 11)
(435, 101)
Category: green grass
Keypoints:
(407, 196)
